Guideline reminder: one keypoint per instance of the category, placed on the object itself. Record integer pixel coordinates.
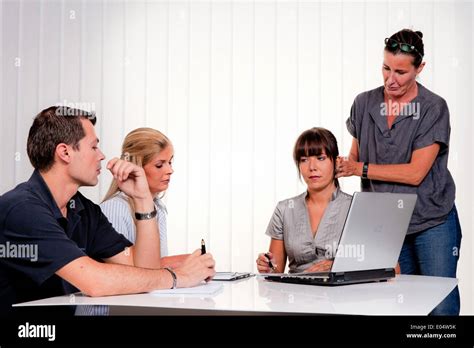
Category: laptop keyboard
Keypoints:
(316, 275)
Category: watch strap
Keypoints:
(146, 216)
(365, 170)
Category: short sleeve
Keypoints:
(118, 213)
(352, 120)
(275, 226)
(434, 127)
(33, 226)
(107, 242)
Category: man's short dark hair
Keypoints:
(51, 127)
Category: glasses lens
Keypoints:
(391, 43)
(406, 48)
(392, 46)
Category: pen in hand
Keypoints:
(270, 262)
(203, 247)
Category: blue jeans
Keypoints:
(435, 252)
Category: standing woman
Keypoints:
(400, 144)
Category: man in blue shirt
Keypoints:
(75, 246)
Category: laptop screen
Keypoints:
(373, 234)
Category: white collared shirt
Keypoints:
(117, 211)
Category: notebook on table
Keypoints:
(228, 276)
(370, 242)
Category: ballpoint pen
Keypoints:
(270, 262)
(203, 247)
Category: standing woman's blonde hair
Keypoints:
(139, 147)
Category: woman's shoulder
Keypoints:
(292, 201)
(342, 199)
(344, 196)
(430, 96)
(370, 95)
(342, 203)
(118, 200)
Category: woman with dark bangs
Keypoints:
(305, 229)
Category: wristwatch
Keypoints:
(146, 216)
(365, 169)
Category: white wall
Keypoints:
(232, 83)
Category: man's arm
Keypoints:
(102, 279)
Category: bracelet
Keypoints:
(365, 170)
(173, 275)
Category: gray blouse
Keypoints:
(423, 122)
(290, 223)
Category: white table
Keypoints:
(404, 295)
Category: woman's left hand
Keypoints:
(321, 266)
(348, 167)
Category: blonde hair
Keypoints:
(139, 147)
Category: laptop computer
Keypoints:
(370, 242)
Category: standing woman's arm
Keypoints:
(354, 153)
(411, 173)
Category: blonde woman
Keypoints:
(153, 151)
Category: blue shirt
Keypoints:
(30, 219)
(117, 210)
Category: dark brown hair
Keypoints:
(51, 127)
(410, 37)
(313, 142)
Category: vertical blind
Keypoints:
(232, 83)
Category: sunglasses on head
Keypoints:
(392, 45)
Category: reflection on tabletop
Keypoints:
(332, 299)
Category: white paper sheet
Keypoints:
(204, 288)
